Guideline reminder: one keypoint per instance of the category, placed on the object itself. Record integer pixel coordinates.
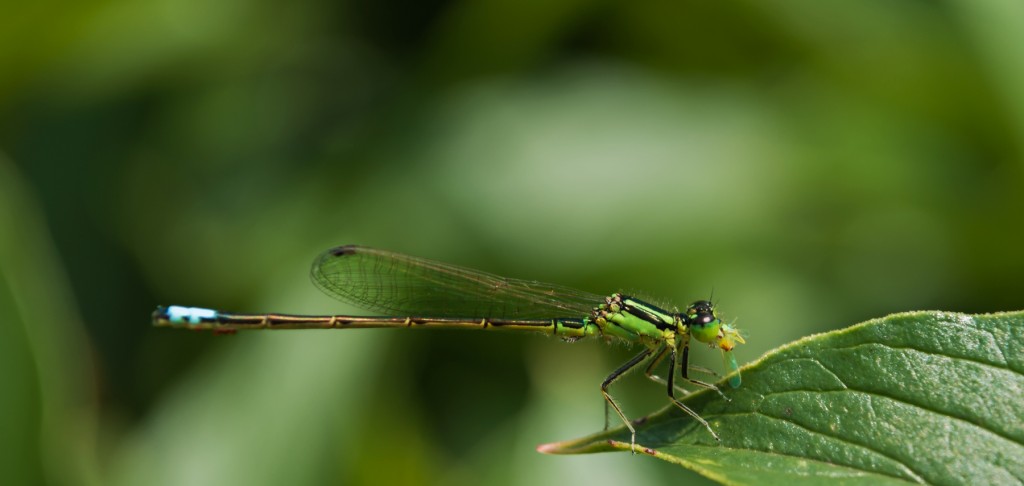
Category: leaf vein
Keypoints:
(933, 353)
(917, 476)
(934, 411)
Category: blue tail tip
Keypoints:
(177, 314)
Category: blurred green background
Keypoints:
(816, 164)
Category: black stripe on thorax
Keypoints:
(645, 311)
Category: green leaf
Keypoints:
(922, 397)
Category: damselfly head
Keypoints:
(701, 312)
(702, 322)
(705, 326)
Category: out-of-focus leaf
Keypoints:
(48, 406)
(929, 397)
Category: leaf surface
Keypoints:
(921, 397)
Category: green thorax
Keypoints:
(634, 320)
(630, 319)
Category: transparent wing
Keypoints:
(393, 283)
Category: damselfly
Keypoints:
(416, 292)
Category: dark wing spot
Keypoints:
(343, 250)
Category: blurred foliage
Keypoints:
(816, 164)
